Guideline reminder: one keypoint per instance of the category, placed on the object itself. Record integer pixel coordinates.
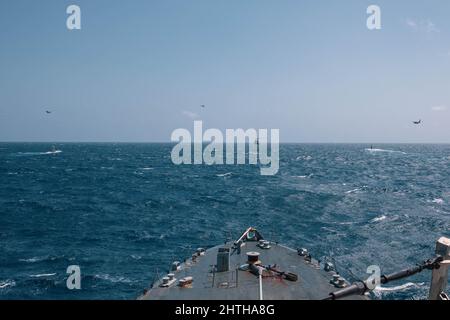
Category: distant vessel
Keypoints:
(252, 268)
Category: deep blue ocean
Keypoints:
(123, 211)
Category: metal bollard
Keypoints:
(439, 276)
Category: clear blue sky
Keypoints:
(140, 69)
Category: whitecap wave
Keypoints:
(303, 176)
(224, 174)
(402, 287)
(378, 219)
(42, 275)
(347, 223)
(114, 279)
(306, 158)
(7, 283)
(32, 260)
(44, 258)
(356, 190)
(438, 201)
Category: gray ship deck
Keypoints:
(313, 282)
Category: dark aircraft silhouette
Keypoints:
(202, 105)
(47, 112)
(417, 122)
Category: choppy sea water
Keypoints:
(122, 212)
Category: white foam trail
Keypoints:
(43, 275)
(384, 150)
(352, 191)
(38, 153)
(224, 174)
(146, 168)
(52, 152)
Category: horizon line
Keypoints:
(206, 142)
